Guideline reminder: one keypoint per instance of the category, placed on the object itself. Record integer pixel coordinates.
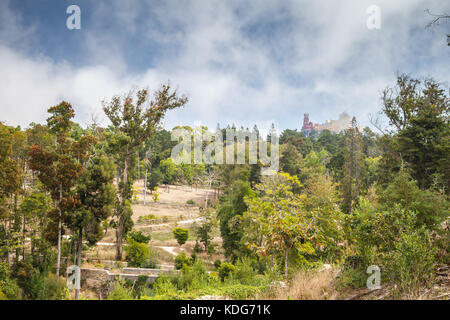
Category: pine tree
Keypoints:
(353, 168)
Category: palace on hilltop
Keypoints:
(335, 126)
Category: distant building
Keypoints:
(343, 122)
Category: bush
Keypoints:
(182, 260)
(211, 249)
(138, 236)
(197, 248)
(181, 235)
(54, 289)
(155, 195)
(8, 285)
(412, 262)
(120, 292)
(47, 287)
(225, 270)
(244, 271)
(148, 217)
(137, 253)
(164, 287)
(190, 201)
(217, 263)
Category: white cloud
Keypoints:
(322, 59)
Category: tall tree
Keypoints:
(9, 183)
(282, 219)
(93, 199)
(56, 166)
(353, 168)
(135, 117)
(418, 110)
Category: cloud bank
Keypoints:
(241, 62)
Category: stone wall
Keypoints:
(100, 280)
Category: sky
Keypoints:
(239, 62)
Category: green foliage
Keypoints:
(137, 253)
(148, 217)
(8, 285)
(169, 170)
(182, 260)
(138, 236)
(48, 287)
(230, 214)
(120, 292)
(204, 228)
(155, 194)
(411, 264)
(156, 177)
(244, 272)
(353, 169)
(418, 112)
(190, 201)
(181, 235)
(226, 269)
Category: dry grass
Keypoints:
(308, 285)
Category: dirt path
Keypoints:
(170, 250)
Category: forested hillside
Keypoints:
(339, 204)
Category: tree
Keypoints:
(135, 118)
(92, 202)
(283, 222)
(204, 229)
(418, 111)
(290, 159)
(56, 166)
(436, 20)
(230, 214)
(181, 235)
(9, 183)
(353, 168)
(322, 206)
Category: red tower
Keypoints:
(307, 125)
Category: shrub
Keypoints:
(181, 235)
(48, 287)
(211, 249)
(197, 248)
(155, 195)
(244, 271)
(120, 292)
(217, 263)
(147, 217)
(190, 201)
(164, 288)
(225, 270)
(137, 253)
(241, 292)
(181, 260)
(8, 285)
(54, 289)
(412, 262)
(138, 236)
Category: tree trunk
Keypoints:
(16, 225)
(79, 249)
(58, 259)
(145, 185)
(23, 237)
(286, 251)
(119, 229)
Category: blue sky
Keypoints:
(241, 62)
